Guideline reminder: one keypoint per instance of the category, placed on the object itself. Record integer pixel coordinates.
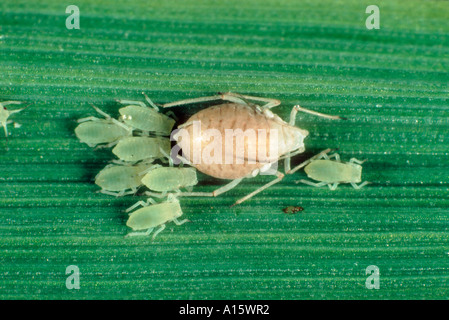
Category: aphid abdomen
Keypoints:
(229, 141)
(116, 178)
(154, 215)
(162, 179)
(329, 171)
(168, 179)
(140, 148)
(189, 177)
(93, 132)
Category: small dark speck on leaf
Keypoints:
(292, 209)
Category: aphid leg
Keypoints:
(172, 114)
(233, 98)
(299, 108)
(141, 203)
(132, 102)
(158, 231)
(226, 187)
(170, 160)
(132, 191)
(124, 126)
(182, 160)
(17, 110)
(334, 155)
(287, 159)
(133, 234)
(303, 164)
(354, 160)
(92, 118)
(225, 96)
(215, 193)
(120, 162)
(149, 169)
(104, 114)
(116, 194)
(109, 145)
(108, 117)
(270, 103)
(178, 223)
(190, 101)
(156, 194)
(5, 103)
(151, 103)
(171, 197)
(125, 193)
(313, 184)
(292, 154)
(355, 186)
(279, 175)
(333, 186)
(5, 128)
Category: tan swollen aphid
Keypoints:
(264, 139)
(146, 118)
(121, 179)
(332, 172)
(106, 132)
(5, 114)
(153, 215)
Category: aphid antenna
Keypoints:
(150, 102)
(319, 114)
(18, 110)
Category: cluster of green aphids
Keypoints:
(139, 137)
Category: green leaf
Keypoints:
(391, 83)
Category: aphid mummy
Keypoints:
(241, 123)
